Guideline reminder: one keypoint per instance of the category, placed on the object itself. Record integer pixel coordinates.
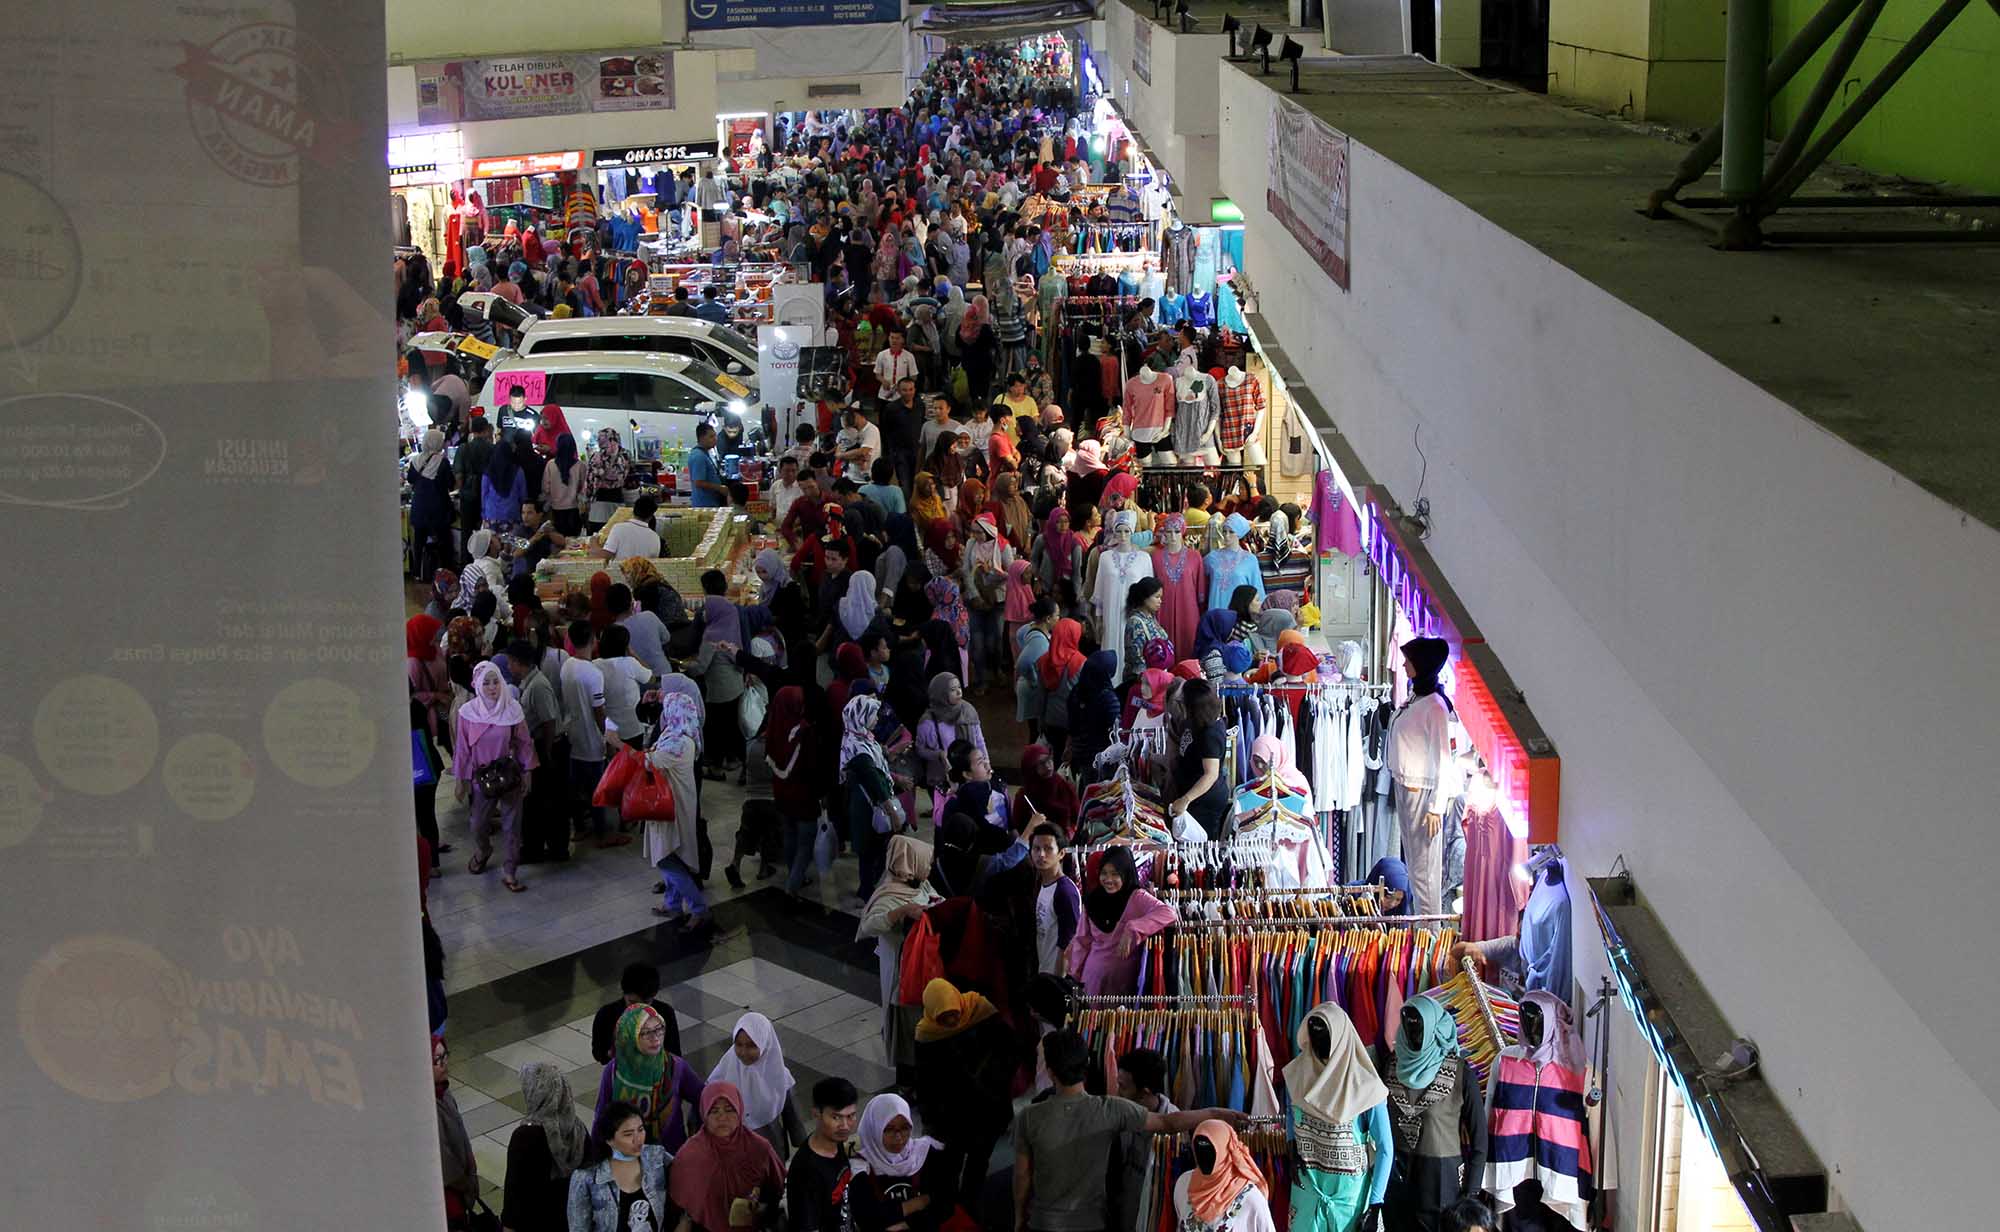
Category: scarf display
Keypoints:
(1437, 1043)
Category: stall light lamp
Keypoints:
(1230, 25)
(1290, 53)
(1182, 11)
(1260, 45)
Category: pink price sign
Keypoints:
(534, 384)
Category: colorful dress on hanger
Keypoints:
(1494, 894)
(1183, 577)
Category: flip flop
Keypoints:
(478, 864)
(513, 885)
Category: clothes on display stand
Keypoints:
(1177, 257)
(1215, 1055)
(1536, 1103)
(1242, 408)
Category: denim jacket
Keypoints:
(593, 1195)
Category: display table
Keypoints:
(692, 541)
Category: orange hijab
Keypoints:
(1211, 1193)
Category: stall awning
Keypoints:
(1772, 1168)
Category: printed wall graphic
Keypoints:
(1308, 185)
(737, 14)
(1142, 49)
(207, 855)
(563, 83)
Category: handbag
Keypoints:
(825, 840)
(499, 777)
(611, 784)
(424, 772)
(648, 796)
(922, 962)
(481, 1217)
(756, 704)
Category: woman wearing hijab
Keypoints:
(483, 573)
(503, 487)
(1058, 560)
(1225, 1192)
(972, 502)
(898, 1182)
(1087, 477)
(1417, 754)
(431, 505)
(430, 706)
(1437, 1113)
(1013, 514)
(754, 1064)
(899, 898)
(799, 780)
(605, 476)
(1216, 630)
(926, 505)
(643, 1075)
(983, 579)
(978, 350)
(722, 680)
(1117, 916)
(726, 1170)
(626, 1190)
(562, 483)
(542, 1153)
(1394, 898)
(1044, 790)
(1338, 1122)
(672, 844)
(870, 788)
(947, 466)
(1271, 624)
(859, 606)
(966, 1058)
(491, 731)
(949, 718)
(946, 605)
(461, 1168)
(1093, 714)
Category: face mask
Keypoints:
(622, 1157)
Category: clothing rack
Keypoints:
(1140, 1002)
(1337, 921)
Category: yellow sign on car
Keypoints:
(733, 385)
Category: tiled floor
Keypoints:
(525, 973)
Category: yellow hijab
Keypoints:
(941, 998)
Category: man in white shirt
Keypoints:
(860, 443)
(635, 537)
(895, 363)
(786, 490)
(648, 633)
(623, 678)
(583, 719)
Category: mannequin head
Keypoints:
(1531, 1024)
(1320, 1036)
(1204, 1154)
(1413, 1026)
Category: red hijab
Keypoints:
(850, 665)
(935, 536)
(600, 601)
(710, 1172)
(420, 637)
(552, 424)
(1046, 791)
(1062, 660)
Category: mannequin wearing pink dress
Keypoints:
(1179, 569)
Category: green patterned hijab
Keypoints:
(638, 1074)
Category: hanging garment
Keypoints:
(1116, 571)
(1344, 1169)
(1494, 892)
(1537, 1126)
(1183, 579)
(1149, 407)
(1437, 1129)
(1242, 411)
(1229, 568)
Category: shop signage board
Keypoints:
(1308, 185)
(653, 155)
(736, 14)
(1142, 49)
(562, 83)
(778, 348)
(526, 164)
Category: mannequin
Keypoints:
(1438, 1116)
(1545, 933)
(1195, 417)
(1229, 566)
(1342, 1148)
(1535, 1097)
(1419, 757)
(1242, 418)
(1225, 1192)
(1118, 566)
(1183, 576)
(1149, 408)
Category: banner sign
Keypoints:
(526, 164)
(1308, 185)
(738, 14)
(778, 348)
(1142, 49)
(516, 87)
(651, 155)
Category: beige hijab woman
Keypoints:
(899, 897)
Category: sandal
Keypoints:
(478, 864)
(513, 885)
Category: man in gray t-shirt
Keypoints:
(1062, 1145)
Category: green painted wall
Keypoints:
(1941, 122)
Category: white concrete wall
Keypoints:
(1177, 113)
(1767, 661)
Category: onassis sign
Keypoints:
(646, 155)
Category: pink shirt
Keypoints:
(1094, 956)
(476, 744)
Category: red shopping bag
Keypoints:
(611, 784)
(648, 797)
(922, 962)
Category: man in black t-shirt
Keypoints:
(818, 1174)
(641, 986)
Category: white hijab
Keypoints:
(858, 605)
(875, 1118)
(767, 1084)
(1345, 1085)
